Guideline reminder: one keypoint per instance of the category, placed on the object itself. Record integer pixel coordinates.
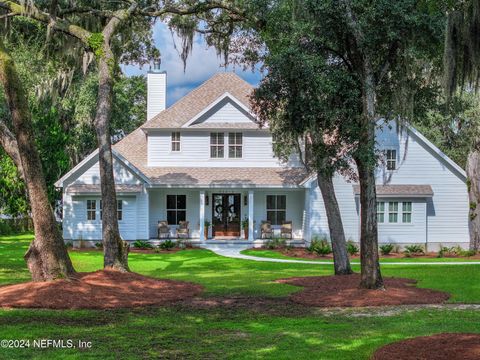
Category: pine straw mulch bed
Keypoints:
(104, 289)
(436, 347)
(344, 291)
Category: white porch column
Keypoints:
(202, 216)
(250, 215)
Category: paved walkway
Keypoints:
(233, 251)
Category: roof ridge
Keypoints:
(195, 91)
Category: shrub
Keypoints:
(386, 249)
(444, 250)
(320, 247)
(142, 244)
(352, 248)
(69, 245)
(167, 245)
(276, 243)
(99, 245)
(413, 250)
(468, 253)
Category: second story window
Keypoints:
(235, 144)
(176, 141)
(391, 157)
(217, 142)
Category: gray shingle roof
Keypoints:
(197, 100)
(92, 189)
(400, 190)
(200, 176)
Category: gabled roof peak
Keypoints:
(200, 98)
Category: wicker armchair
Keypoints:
(182, 230)
(163, 229)
(286, 230)
(266, 230)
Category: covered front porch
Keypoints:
(226, 214)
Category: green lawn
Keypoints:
(276, 255)
(185, 332)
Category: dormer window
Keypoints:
(176, 141)
(391, 158)
(217, 142)
(235, 144)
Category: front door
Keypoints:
(226, 214)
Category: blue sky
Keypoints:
(201, 65)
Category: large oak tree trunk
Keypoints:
(370, 267)
(341, 262)
(473, 183)
(47, 257)
(366, 164)
(115, 249)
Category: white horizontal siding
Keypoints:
(156, 94)
(446, 213)
(92, 175)
(195, 150)
(414, 232)
(226, 111)
(348, 209)
(448, 209)
(77, 227)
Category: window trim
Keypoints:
(236, 145)
(381, 212)
(390, 160)
(217, 145)
(91, 210)
(174, 141)
(276, 210)
(409, 212)
(167, 209)
(393, 212)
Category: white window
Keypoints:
(217, 142)
(235, 144)
(91, 209)
(381, 211)
(119, 210)
(391, 158)
(176, 141)
(393, 212)
(276, 209)
(407, 212)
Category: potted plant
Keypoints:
(206, 226)
(245, 228)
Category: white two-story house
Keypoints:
(205, 159)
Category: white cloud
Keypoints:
(202, 63)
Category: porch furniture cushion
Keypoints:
(183, 230)
(286, 229)
(163, 229)
(266, 230)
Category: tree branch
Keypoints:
(9, 144)
(58, 24)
